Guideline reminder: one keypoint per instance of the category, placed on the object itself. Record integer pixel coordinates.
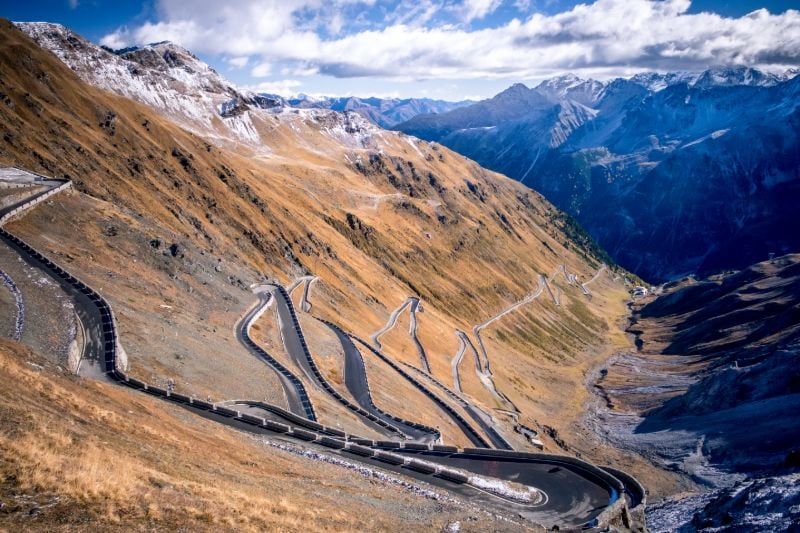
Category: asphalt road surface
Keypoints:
(355, 379)
(295, 346)
(483, 420)
(296, 397)
(574, 495)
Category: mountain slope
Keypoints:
(81, 455)
(508, 105)
(162, 75)
(671, 173)
(175, 227)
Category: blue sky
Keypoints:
(449, 49)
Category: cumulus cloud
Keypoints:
(609, 36)
(262, 70)
(280, 87)
(238, 61)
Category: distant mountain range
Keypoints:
(385, 112)
(672, 173)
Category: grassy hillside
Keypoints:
(173, 229)
(79, 455)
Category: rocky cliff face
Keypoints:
(672, 174)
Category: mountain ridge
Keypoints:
(618, 160)
(384, 112)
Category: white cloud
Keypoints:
(607, 36)
(301, 71)
(335, 24)
(114, 40)
(522, 5)
(262, 70)
(414, 12)
(477, 9)
(240, 28)
(238, 61)
(281, 87)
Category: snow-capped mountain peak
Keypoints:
(571, 116)
(570, 86)
(738, 75)
(514, 90)
(559, 85)
(713, 77)
(385, 112)
(162, 75)
(656, 81)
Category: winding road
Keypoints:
(306, 282)
(544, 283)
(483, 420)
(462, 347)
(355, 379)
(571, 279)
(584, 286)
(574, 493)
(477, 329)
(459, 420)
(413, 305)
(294, 392)
(295, 345)
(556, 299)
(571, 501)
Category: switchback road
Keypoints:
(569, 492)
(413, 305)
(295, 393)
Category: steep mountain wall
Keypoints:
(672, 174)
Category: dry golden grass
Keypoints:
(79, 455)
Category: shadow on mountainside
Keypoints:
(745, 327)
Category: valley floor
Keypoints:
(710, 396)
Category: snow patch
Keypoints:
(512, 491)
(714, 135)
(410, 141)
